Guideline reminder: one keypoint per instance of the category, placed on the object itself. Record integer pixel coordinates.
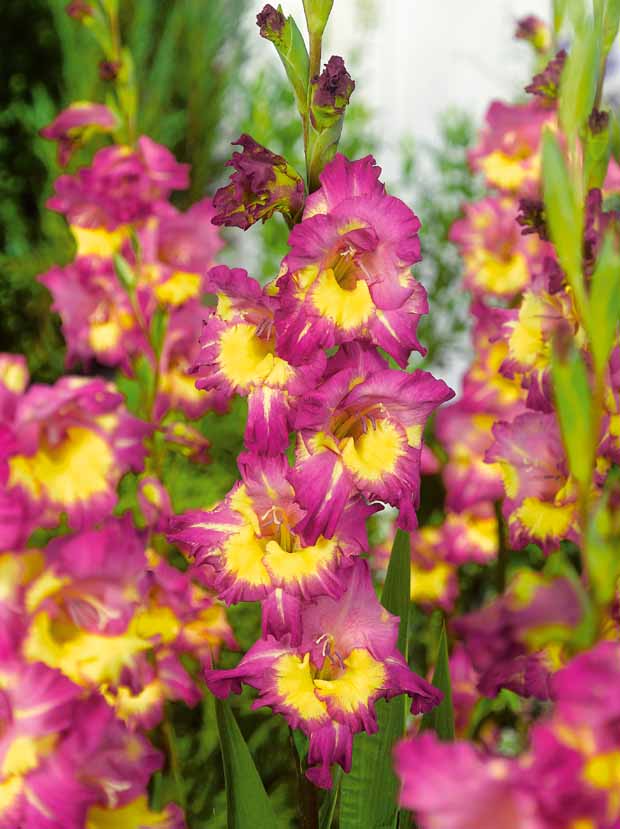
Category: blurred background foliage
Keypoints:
(204, 78)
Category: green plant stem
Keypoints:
(173, 757)
(502, 549)
(315, 56)
(308, 801)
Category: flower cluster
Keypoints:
(309, 351)
(538, 650)
(99, 629)
(567, 777)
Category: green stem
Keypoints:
(308, 801)
(173, 757)
(502, 549)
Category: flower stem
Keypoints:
(308, 801)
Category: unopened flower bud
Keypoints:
(546, 84)
(535, 31)
(271, 23)
(598, 121)
(317, 14)
(263, 183)
(532, 218)
(284, 34)
(79, 9)
(108, 69)
(334, 85)
(331, 91)
(154, 503)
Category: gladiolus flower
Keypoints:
(347, 276)
(72, 443)
(121, 186)
(252, 541)
(239, 356)
(263, 183)
(74, 126)
(327, 684)
(361, 432)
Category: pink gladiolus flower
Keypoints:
(506, 639)
(252, 542)
(541, 496)
(347, 276)
(70, 445)
(74, 126)
(177, 251)
(261, 184)
(239, 356)
(528, 333)
(327, 685)
(498, 260)
(361, 432)
(433, 578)
(121, 186)
(454, 786)
(177, 386)
(98, 321)
(508, 153)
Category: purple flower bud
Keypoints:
(108, 69)
(79, 9)
(534, 31)
(598, 121)
(334, 86)
(262, 184)
(532, 218)
(271, 23)
(546, 84)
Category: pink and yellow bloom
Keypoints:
(327, 684)
(508, 152)
(98, 321)
(177, 251)
(71, 444)
(122, 186)
(361, 432)
(498, 260)
(239, 356)
(515, 641)
(541, 496)
(529, 332)
(115, 619)
(76, 124)
(253, 543)
(181, 348)
(347, 276)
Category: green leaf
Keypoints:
(597, 149)
(601, 547)
(574, 405)
(248, 805)
(124, 271)
(611, 23)
(441, 718)
(605, 303)
(368, 798)
(564, 209)
(579, 78)
(328, 806)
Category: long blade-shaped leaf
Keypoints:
(441, 718)
(247, 801)
(368, 798)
